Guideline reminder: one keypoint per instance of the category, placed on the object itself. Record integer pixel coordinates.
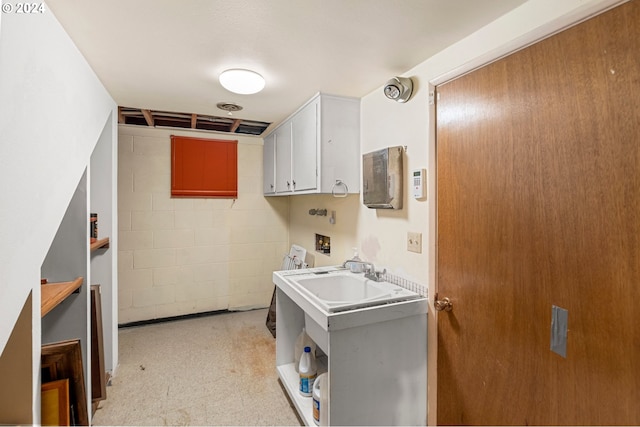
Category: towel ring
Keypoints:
(339, 183)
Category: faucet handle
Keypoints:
(370, 272)
(379, 273)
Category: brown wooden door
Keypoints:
(538, 169)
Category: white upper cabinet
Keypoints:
(304, 151)
(269, 162)
(317, 149)
(282, 164)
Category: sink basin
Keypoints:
(343, 290)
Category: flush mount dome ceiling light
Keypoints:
(243, 82)
(399, 89)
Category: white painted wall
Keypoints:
(52, 111)
(190, 255)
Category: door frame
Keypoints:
(463, 58)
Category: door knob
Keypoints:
(443, 304)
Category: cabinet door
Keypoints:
(269, 165)
(339, 144)
(304, 146)
(283, 158)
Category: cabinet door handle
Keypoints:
(294, 184)
(288, 184)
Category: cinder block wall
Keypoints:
(189, 255)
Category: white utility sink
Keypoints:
(340, 290)
(371, 340)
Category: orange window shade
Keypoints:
(204, 167)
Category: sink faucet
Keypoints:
(364, 266)
(371, 273)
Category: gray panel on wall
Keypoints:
(66, 260)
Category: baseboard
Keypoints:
(171, 319)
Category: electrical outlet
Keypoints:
(414, 242)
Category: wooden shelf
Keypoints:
(99, 244)
(54, 293)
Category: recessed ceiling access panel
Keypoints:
(382, 178)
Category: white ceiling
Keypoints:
(167, 55)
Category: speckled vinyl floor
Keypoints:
(214, 370)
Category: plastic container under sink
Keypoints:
(302, 341)
(321, 400)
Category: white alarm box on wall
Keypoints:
(419, 183)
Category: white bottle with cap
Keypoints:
(320, 400)
(307, 371)
(302, 341)
(357, 266)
